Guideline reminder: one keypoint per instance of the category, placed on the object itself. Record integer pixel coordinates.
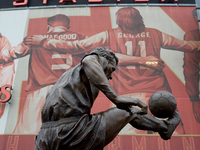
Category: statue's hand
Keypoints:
(143, 110)
(126, 102)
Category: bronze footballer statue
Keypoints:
(67, 122)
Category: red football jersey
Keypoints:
(137, 78)
(191, 66)
(193, 35)
(46, 67)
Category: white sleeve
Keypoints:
(170, 42)
(75, 47)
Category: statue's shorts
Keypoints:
(73, 133)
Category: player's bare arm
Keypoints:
(74, 47)
(52, 44)
(94, 69)
(170, 42)
(149, 61)
(14, 53)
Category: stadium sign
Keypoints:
(25, 2)
(36, 3)
(7, 94)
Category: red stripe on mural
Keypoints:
(179, 14)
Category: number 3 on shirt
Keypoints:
(68, 64)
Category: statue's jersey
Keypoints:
(137, 78)
(46, 66)
(69, 97)
(66, 119)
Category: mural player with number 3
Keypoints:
(45, 68)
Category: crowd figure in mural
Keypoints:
(192, 71)
(139, 72)
(67, 122)
(7, 70)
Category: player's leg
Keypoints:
(2, 108)
(6, 74)
(30, 118)
(128, 129)
(172, 123)
(164, 127)
(116, 119)
(6, 77)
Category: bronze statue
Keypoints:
(66, 119)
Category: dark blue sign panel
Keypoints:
(33, 3)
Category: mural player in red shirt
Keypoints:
(192, 71)
(45, 68)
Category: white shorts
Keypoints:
(29, 120)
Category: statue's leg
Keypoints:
(164, 127)
(116, 119)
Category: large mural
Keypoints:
(36, 68)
